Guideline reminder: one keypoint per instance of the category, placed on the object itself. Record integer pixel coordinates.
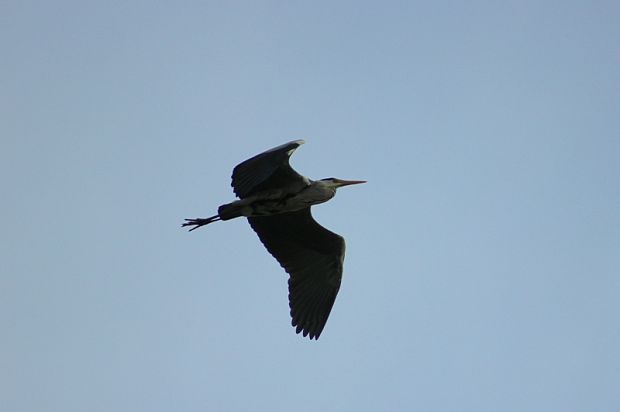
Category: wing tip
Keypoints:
(309, 331)
(296, 144)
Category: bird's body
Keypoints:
(277, 200)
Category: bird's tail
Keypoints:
(231, 210)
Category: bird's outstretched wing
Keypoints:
(267, 170)
(313, 257)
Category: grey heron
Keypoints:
(276, 201)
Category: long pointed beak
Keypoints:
(349, 182)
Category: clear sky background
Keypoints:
(483, 256)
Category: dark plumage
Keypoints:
(276, 200)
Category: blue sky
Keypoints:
(482, 256)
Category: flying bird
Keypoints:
(276, 201)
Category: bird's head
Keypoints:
(336, 183)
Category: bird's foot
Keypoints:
(196, 223)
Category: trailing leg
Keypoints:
(200, 222)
